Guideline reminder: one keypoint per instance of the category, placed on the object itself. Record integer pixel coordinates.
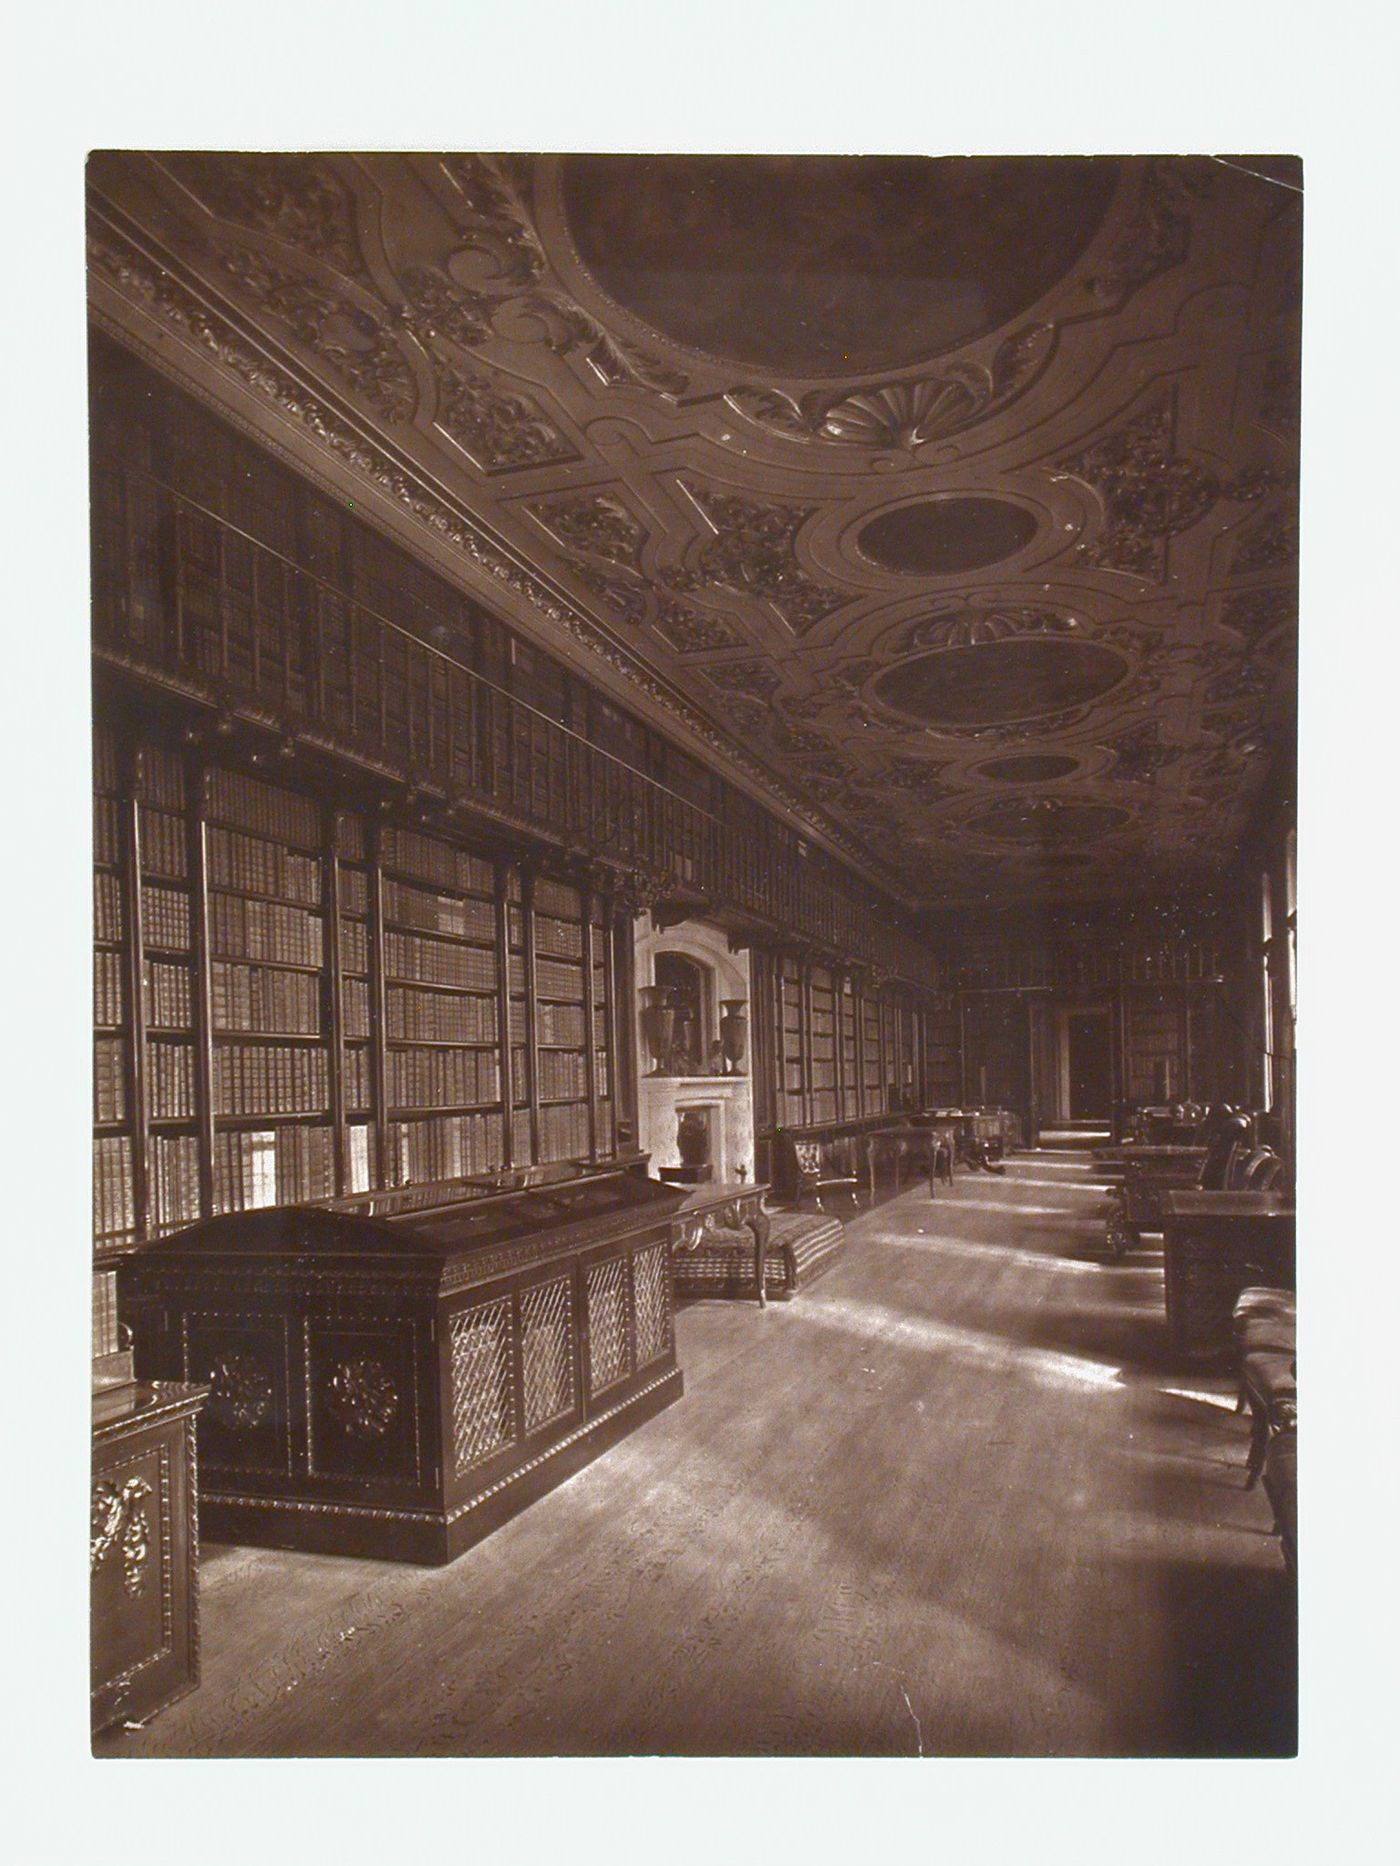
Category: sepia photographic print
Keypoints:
(691, 686)
(695, 948)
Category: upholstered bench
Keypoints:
(1271, 1387)
(1264, 1321)
(800, 1247)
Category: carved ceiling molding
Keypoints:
(428, 323)
(336, 329)
(501, 431)
(963, 625)
(688, 632)
(300, 200)
(1269, 542)
(1149, 493)
(151, 289)
(1157, 237)
(597, 523)
(906, 413)
(501, 261)
(753, 553)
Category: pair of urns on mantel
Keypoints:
(668, 1035)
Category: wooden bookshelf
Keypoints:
(293, 1002)
(442, 1042)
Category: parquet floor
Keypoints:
(954, 1500)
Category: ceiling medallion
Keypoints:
(830, 266)
(991, 683)
(946, 536)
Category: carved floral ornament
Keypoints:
(242, 1391)
(1149, 493)
(119, 1522)
(361, 1397)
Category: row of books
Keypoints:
(354, 1006)
(265, 809)
(264, 930)
(108, 921)
(252, 866)
(450, 914)
(562, 938)
(432, 962)
(106, 832)
(433, 1017)
(602, 1086)
(170, 1081)
(559, 1023)
(349, 837)
(160, 778)
(164, 850)
(444, 1146)
(561, 1072)
(113, 1188)
(557, 897)
(357, 1080)
(105, 1334)
(442, 1078)
(168, 995)
(109, 1079)
(564, 1131)
(108, 990)
(555, 979)
(172, 1164)
(256, 1078)
(426, 859)
(276, 1166)
(265, 999)
(353, 884)
(165, 918)
(354, 945)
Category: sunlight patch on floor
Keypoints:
(878, 1322)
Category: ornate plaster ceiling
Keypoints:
(954, 500)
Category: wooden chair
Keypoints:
(824, 1166)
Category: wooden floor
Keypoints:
(955, 1500)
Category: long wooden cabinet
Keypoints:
(394, 1374)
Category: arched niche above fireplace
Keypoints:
(692, 967)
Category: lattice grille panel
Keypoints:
(547, 1325)
(609, 1359)
(482, 1409)
(652, 1299)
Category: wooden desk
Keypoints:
(143, 1551)
(923, 1140)
(1215, 1245)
